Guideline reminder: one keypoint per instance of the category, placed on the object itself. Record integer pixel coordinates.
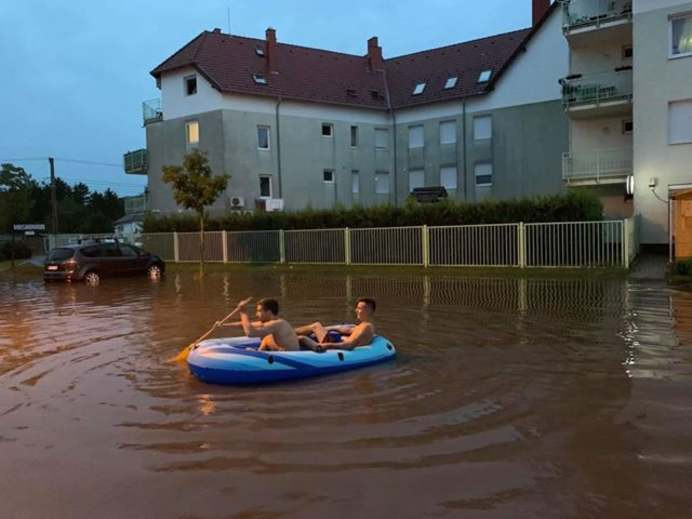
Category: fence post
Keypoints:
(521, 245)
(176, 248)
(347, 246)
(625, 245)
(224, 244)
(425, 242)
(282, 247)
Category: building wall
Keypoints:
(658, 80)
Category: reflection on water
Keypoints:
(564, 398)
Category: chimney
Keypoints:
(375, 61)
(539, 8)
(270, 51)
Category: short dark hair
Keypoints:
(271, 305)
(370, 302)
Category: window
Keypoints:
(448, 177)
(192, 132)
(190, 85)
(110, 250)
(680, 122)
(448, 132)
(259, 51)
(627, 52)
(418, 89)
(681, 35)
(327, 129)
(484, 77)
(355, 182)
(90, 252)
(354, 136)
(382, 182)
(328, 176)
(381, 138)
(451, 82)
(484, 179)
(263, 137)
(415, 136)
(627, 126)
(416, 179)
(482, 127)
(126, 250)
(265, 182)
(260, 79)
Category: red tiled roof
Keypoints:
(301, 73)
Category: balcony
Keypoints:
(152, 111)
(135, 204)
(581, 16)
(135, 162)
(598, 95)
(608, 166)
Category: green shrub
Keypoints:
(571, 206)
(684, 267)
(21, 250)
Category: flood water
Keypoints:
(509, 398)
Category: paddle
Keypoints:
(182, 356)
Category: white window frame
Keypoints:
(624, 126)
(485, 76)
(264, 197)
(416, 171)
(419, 88)
(473, 122)
(188, 125)
(259, 79)
(385, 132)
(355, 182)
(453, 124)
(456, 177)
(328, 170)
(476, 175)
(451, 82)
(331, 130)
(687, 140)
(671, 19)
(185, 80)
(268, 129)
(411, 130)
(389, 187)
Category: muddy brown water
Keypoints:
(509, 398)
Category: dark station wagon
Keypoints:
(91, 261)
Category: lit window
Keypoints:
(328, 176)
(355, 182)
(260, 79)
(681, 34)
(448, 132)
(192, 132)
(451, 82)
(382, 182)
(485, 76)
(415, 137)
(354, 136)
(265, 186)
(263, 137)
(482, 127)
(416, 179)
(680, 122)
(327, 129)
(418, 89)
(381, 138)
(190, 85)
(448, 177)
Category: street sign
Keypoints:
(29, 233)
(29, 227)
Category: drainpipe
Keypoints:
(463, 151)
(278, 149)
(393, 114)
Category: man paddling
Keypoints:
(361, 334)
(276, 333)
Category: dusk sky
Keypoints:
(76, 72)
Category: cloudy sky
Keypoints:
(76, 71)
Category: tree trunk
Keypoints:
(201, 242)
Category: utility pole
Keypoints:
(53, 198)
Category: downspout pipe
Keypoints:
(278, 149)
(464, 167)
(392, 112)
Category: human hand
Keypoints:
(244, 302)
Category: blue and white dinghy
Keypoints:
(237, 361)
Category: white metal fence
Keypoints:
(555, 244)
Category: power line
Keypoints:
(91, 162)
(24, 159)
(102, 182)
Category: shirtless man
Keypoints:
(276, 333)
(361, 334)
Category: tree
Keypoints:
(195, 187)
(15, 199)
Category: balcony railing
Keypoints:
(135, 162)
(582, 14)
(596, 89)
(135, 204)
(597, 165)
(152, 111)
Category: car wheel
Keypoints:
(92, 278)
(154, 272)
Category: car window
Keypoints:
(110, 250)
(92, 252)
(60, 254)
(126, 250)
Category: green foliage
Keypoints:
(15, 196)
(683, 268)
(21, 250)
(572, 206)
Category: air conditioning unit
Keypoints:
(237, 202)
(274, 204)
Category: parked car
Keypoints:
(92, 261)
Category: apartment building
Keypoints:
(628, 98)
(298, 127)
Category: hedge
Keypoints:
(572, 206)
(21, 250)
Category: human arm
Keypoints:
(361, 335)
(256, 329)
